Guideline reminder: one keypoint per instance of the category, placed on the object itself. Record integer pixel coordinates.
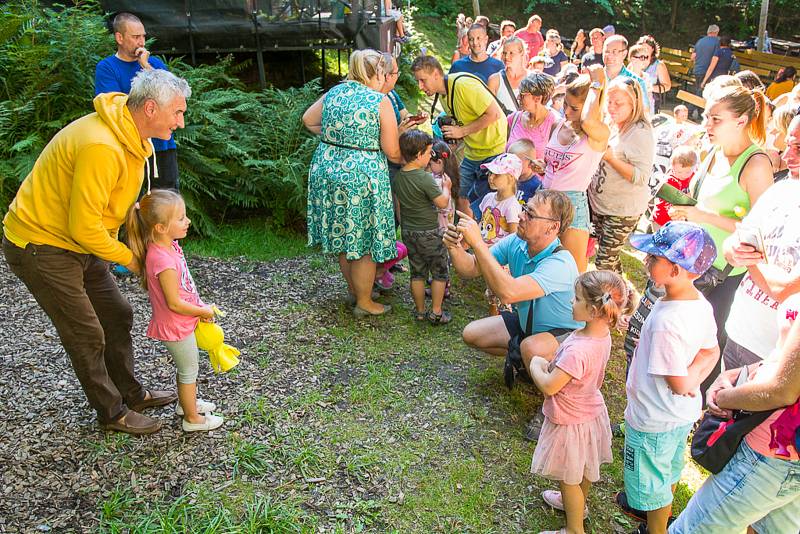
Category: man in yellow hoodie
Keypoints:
(61, 229)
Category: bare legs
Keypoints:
(576, 242)
(187, 396)
(543, 344)
(360, 276)
(574, 498)
(488, 335)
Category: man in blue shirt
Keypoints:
(615, 50)
(114, 74)
(478, 61)
(704, 50)
(540, 281)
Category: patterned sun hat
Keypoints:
(685, 244)
(505, 163)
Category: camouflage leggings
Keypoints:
(612, 232)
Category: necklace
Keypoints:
(534, 121)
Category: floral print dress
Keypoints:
(350, 208)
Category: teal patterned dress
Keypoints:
(350, 207)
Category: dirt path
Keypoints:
(331, 425)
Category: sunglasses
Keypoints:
(643, 58)
(530, 214)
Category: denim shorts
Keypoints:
(752, 490)
(580, 201)
(470, 169)
(735, 356)
(652, 463)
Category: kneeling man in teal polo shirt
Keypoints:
(541, 279)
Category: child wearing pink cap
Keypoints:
(500, 209)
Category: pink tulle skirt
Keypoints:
(570, 453)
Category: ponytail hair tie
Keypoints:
(136, 205)
(606, 298)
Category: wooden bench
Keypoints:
(691, 98)
(679, 66)
(774, 59)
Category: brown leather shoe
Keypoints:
(134, 423)
(154, 398)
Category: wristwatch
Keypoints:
(596, 85)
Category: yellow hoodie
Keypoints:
(82, 185)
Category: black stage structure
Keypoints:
(193, 27)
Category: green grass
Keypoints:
(402, 430)
(252, 238)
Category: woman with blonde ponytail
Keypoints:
(350, 210)
(731, 179)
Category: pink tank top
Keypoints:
(538, 136)
(569, 167)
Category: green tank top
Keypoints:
(724, 196)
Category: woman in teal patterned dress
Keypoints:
(350, 211)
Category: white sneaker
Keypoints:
(211, 422)
(202, 407)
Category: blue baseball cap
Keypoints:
(685, 244)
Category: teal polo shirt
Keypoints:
(555, 274)
(642, 85)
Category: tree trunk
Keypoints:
(673, 20)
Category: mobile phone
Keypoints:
(417, 118)
(751, 236)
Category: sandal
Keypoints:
(419, 315)
(440, 318)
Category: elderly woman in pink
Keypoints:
(534, 121)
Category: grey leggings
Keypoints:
(185, 354)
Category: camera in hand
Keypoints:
(447, 120)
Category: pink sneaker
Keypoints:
(553, 498)
(385, 281)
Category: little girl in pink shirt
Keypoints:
(576, 434)
(154, 225)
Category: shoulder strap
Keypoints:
(514, 121)
(701, 176)
(741, 161)
(510, 90)
(529, 322)
(451, 93)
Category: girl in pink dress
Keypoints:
(154, 224)
(576, 434)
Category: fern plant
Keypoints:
(242, 153)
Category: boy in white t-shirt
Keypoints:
(677, 350)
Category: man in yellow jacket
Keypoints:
(61, 229)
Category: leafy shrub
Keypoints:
(241, 153)
(46, 80)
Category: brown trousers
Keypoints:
(92, 318)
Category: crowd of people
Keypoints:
(538, 158)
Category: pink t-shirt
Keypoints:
(569, 167)
(538, 136)
(165, 324)
(497, 216)
(534, 40)
(580, 401)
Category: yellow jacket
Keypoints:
(79, 191)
